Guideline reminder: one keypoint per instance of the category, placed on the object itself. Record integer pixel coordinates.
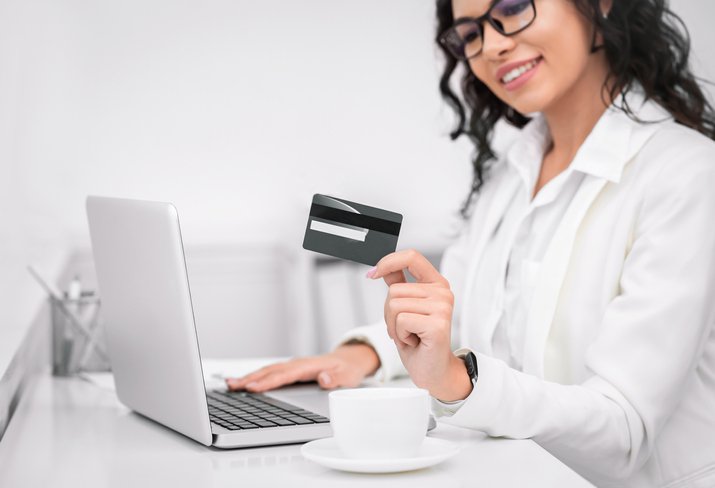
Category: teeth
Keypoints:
(517, 72)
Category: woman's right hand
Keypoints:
(346, 366)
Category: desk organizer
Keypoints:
(77, 335)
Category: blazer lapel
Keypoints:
(485, 222)
(553, 271)
(613, 143)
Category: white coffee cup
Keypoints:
(379, 423)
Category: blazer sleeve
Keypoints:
(650, 342)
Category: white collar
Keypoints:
(614, 140)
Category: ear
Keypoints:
(606, 6)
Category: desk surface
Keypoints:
(70, 433)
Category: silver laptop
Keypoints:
(152, 342)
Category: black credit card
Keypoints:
(350, 230)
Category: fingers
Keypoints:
(327, 379)
(395, 306)
(328, 370)
(250, 382)
(418, 290)
(431, 288)
(419, 299)
(273, 381)
(391, 268)
(400, 309)
(394, 277)
(410, 328)
(426, 331)
(279, 374)
(340, 376)
(414, 305)
(240, 383)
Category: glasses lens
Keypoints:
(513, 16)
(464, 40)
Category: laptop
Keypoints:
(152, 341)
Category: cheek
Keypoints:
(563, 36)
(480, 69)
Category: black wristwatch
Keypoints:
(470, 361)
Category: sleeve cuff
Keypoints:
(478, 410)
(375, 335)
(446, 409)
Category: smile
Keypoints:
(520, 71)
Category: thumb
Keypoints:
(327, 380)
(333, 378)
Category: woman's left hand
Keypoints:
(419, 320)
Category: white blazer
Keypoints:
(627, 287)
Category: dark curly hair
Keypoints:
(644, 42)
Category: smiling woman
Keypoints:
(581, 287)
(630, 44)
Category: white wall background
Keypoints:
(236, 110)
(239, 110)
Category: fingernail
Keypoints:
(371, 272)
(324, 378)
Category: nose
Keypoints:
(495, 44)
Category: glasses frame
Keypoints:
(479, 21)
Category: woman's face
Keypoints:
(540, 66)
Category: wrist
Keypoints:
(361, 355)
(458, 385)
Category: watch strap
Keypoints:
(470, 361)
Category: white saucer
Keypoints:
(326, 453)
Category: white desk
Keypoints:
(70, 433)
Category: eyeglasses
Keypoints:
(465, 39)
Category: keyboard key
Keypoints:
(283, 422)
(277, 411)
(314, 416)
(264, 423)
(300, 420)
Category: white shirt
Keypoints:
(523, 235)
(610, 363)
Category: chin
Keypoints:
(527, 101)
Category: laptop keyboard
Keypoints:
(239, 410)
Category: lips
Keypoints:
(512, 71)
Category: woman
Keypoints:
(584, 279)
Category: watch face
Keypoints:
(470, 360)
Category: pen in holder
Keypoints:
(77, 332)
(77, 336)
